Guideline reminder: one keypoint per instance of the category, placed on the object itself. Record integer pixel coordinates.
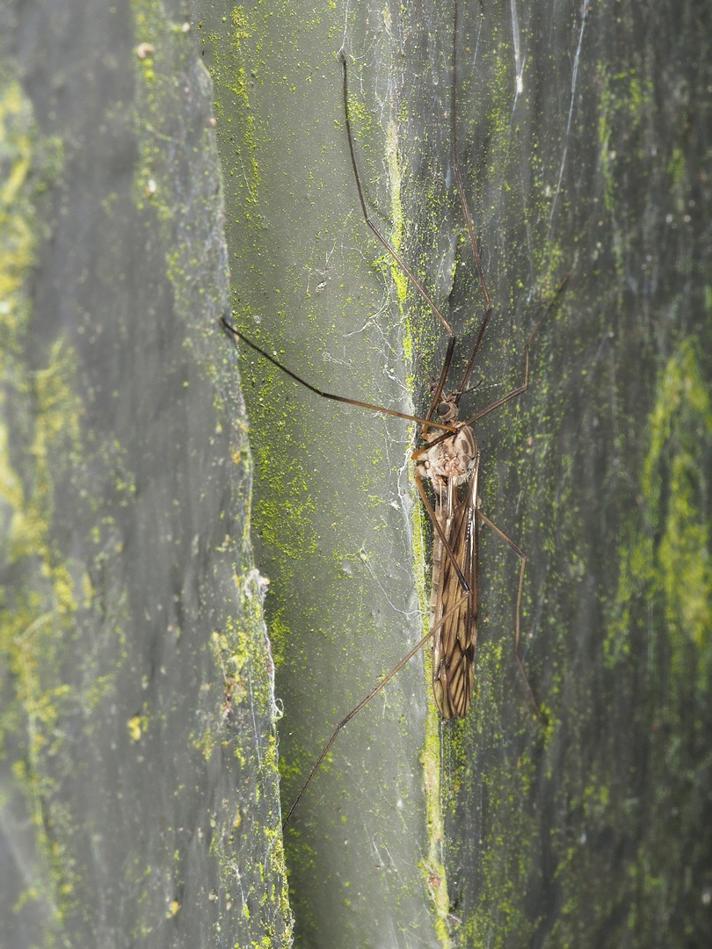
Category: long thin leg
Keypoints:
(238, 334)
(524, 385)
(518, 610)
(438, 390)
(513, 393)
(517, 390)
(371, 224)
(440, 532)
(462, 388)
(469, 222)
(364, 701)
(466, 213)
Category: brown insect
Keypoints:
(448, 457)
(452, 463)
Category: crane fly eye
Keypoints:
(443, 408)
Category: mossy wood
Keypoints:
(582, 133)
(138, 760)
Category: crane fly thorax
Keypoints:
(450, 462)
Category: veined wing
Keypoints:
(455, 640)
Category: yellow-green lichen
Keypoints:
(669, 557)
(37, 608)
(606, 155)
(237, 84)
(432, 867)
(394, 172)
(624, 99)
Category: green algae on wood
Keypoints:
(138, 709)
(666, 559)
(331, 517)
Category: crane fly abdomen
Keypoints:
(452, 467)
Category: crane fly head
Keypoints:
(446, 410)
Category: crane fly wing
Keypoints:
(455, 642)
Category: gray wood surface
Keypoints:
(138, 782)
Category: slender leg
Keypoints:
(513, 393)
(469, 222)
(369, 406)
(418, 453)
(466, 213)
(371, 224)
(438, 390)
(462, 388)
(364, 701)
(440, 532)
(524, 385)
(518, 390)
(518, 610)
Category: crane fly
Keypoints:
(448, 459)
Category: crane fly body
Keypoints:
(452, 466)
(448, 458)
